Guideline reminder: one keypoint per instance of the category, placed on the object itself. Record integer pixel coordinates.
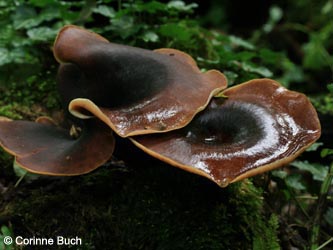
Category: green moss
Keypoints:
(152, 207)
(6, 111)
(267, 239)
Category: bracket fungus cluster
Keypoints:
(167, 107)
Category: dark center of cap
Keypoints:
(230, 124)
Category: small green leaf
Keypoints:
(25, 17)
(175, 31)
(317, 170)
(269, 56)
(150, 36)
(314, 146)
(245, 55)
(105, 11)
(287, 194)
(327, 8)
(48, 14)
(7, 34)
(150, 7)
(292, 72)
(125, 26)
(330, 87)
(275, 13)
(315, 54)
(181, 6)
(263, 71)
(239, 42)
(280, 174)
(42, 34)
(325, 152)
(231, 76)
(295, 181)
(6, 231)
(4, 56)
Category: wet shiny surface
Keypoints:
(140, 91)
(260, 123)
(230, 124)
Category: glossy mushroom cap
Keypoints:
(41, 147)
(258, 127)
(138, 91)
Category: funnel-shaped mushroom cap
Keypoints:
(139, 91)
(258, 127)
(43, 148)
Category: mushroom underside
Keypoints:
(43, 148)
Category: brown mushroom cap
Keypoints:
(43, 148)
(139, 91)
(258, 127)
